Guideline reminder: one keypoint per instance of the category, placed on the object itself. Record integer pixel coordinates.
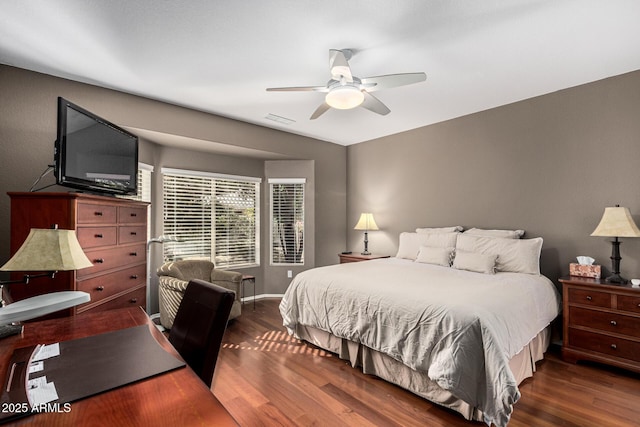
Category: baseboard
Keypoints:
(261, 296)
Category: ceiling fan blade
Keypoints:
(393, 80)
(299, 89)
(319, 111)
(339, 65)
(372, 103)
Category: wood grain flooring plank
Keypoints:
(264, 377)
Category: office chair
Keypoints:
(200, 324)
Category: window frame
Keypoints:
(273, 245)
(243, 185)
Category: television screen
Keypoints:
(93, 154)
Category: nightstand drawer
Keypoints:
(603, 321)
(349, 257)
(629, 303)
(606, 344)
(589, 297)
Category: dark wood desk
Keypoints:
(178, 397)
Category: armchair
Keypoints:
(175, 276)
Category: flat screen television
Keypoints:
(92, 154)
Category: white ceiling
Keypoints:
(220, 56)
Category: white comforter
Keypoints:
(459, 327)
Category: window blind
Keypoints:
(216, 217)
(287, 221)
(144, 184)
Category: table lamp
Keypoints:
(366, 223)
(616, 222)
(49, 250)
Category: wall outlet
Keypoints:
(289, 274)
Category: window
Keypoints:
(144, 184)
(287, 221)
(215, 216)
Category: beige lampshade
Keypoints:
(616, 222)
(366, 222)
(48, 250)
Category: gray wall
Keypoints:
(28, 129)
(549, 165)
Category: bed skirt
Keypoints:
(372, 362)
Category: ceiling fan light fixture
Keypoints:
(344, 97)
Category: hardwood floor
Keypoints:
(266, 378)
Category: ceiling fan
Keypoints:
(345, 91)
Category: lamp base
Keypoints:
(8, 330)
(366, 245)
(616, 279)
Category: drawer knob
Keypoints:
(613, 323)
(98, 213)
(133, 300)
(98, 236)
(589, 298)
(100, 288)
(134, 214)
(614, 347)
(99, 260)
(133, 233)
(134, 254)
(134, 276)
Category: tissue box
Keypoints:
(584, 270)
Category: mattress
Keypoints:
(459, 329)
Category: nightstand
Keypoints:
(357, 257)
(601, 322)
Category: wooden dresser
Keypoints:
(112, 233)
(601, 322)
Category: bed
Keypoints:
(462, 334)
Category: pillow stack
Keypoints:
(478, 250)
(429, 245)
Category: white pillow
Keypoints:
(438, 256)
(475, 261)
(408, 246)
(438, 240)
(507, 234)
(410, 243)
(515, 255)
(440, 229)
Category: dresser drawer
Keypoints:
(106, 259)
(629, 303)
(589, 297)
(132, 215)
(107, 285)
(93, 213)
(605, 344)
(134, 298)
(93, 237)
(132, 234)
(603, 321)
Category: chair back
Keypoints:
(199, 326)
(187, 269)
